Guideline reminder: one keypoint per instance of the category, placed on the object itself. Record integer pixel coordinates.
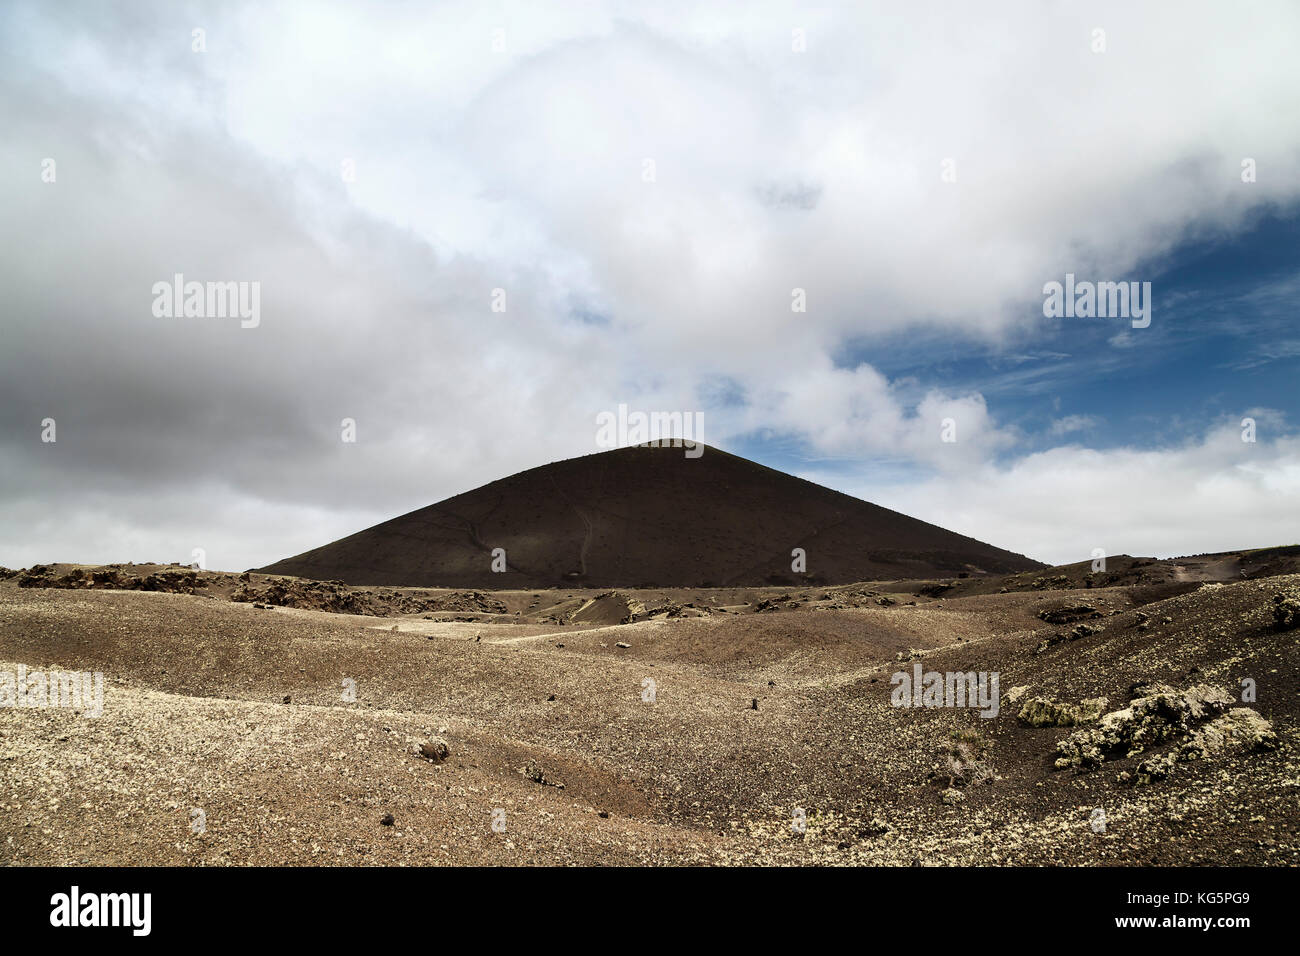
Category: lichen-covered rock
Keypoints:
(1045, 712)
(1155, 768)
(1014, 694)
(1239, 729)
(1286, 611)
(1163, 714)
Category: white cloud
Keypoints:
(774, 170)
(1072, 423)
(1216, 493)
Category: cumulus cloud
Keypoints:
(1214, 493)
(857, 413)
(648, 187)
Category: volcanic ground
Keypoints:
(267, 719)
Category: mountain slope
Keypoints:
(647, 516)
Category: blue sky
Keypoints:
(1225, 339)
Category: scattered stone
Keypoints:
(341, 599)
(1052, 583)
(169, 581)
(533, 771)
(1074, 634)
(435, 750)
(387, 820)
(877, 827)
(1068, 614)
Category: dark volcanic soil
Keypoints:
(648, 517)
(243, 712)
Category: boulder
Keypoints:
(1286, 611)
(1161, 715)
(435, 750)
(1045, 712)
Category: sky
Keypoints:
(474, 227)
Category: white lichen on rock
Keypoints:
(1161, 715)
(1045, 712)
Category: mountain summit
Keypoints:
(648, 516)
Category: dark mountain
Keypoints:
(648, 516)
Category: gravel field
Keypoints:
(233, 734)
